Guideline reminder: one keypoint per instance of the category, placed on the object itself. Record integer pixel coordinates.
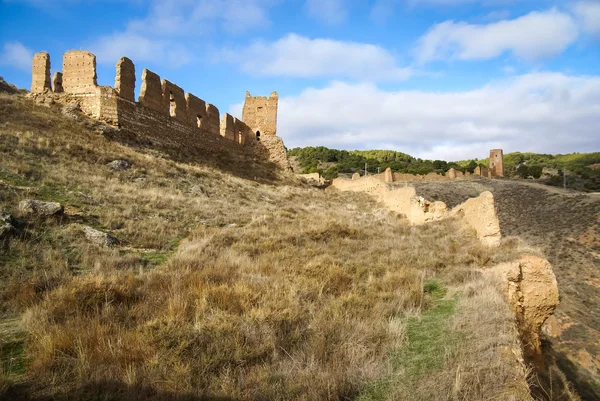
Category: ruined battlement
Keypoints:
(164, 111)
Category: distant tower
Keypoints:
(260, 114)
(496, 163)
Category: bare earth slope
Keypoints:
(565, 226)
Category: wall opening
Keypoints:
(172, 105)
(258, 136)
(240, 137)
(199, 120)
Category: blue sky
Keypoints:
(444, 79)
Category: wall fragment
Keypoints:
(125, 79)
(151, 91)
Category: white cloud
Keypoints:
(109, 49)
(589, 14)
(542, 112)
(298, 56)
(16, 55)
(172, 29)
(534, 36)
(328, 11)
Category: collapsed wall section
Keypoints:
(40, 72)
(79, 72)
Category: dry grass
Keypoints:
(227, 288)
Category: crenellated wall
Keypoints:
(164, 114)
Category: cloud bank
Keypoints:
(542, 112)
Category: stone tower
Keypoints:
(260, 114)
(40, 72)
(496, 163)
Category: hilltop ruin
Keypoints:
(164, 112)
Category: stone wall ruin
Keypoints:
(260, 113)
(164, 113)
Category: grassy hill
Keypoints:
(583, 169)
(228, 288)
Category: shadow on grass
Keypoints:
(106, 391)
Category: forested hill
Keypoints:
(583, 169)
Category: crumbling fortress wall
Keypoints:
(164, 113)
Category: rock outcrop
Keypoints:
(118, 165)
(99, 237)
(532, 291)
(40, 208)
(6, 225)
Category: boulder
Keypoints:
(451, 174)
(40, 208)
(6, 225)
(355, 176)
(119, 165)
(99, 237)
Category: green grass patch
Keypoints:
(155, 258)
(428, 338)
(12, 356)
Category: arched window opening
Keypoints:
(258, 136)
(199, 120)
(172, 105)
(240, 137)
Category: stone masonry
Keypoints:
(79, 72)
(260, 113)
(125, 79)
(40, 72)
(57, 86)
(164, 115)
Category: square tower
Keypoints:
(496, 163)
(260, 114)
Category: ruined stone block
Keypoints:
(228, 127)
(196, 112)
(57, 82)
(79, 72)
(125, 79)
(40, 72)
(451, 174)
(388, 175)
(174, 101)
(260, 113)
(214, 122)
(151, 91)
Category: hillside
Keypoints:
(582, 169)
(223, 284)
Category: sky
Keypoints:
(437, 79)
